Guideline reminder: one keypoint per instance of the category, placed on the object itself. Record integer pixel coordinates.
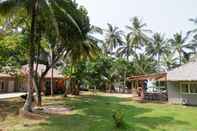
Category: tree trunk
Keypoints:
(65, 92)
(124, 85)
(39, 102)
(158, 61)
(75, 87)
(125, 76)
(39, 94)
(180, 58)
(94, 90)
(76, 91)
(67, 84)
(52, 81)
(28, 103)
(38, 88)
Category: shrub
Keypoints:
(118, 117)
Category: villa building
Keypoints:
(10, 83)
(182, 84)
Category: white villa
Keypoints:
(182, 84)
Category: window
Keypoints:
(161, 83)
(193, 88)
(1, 85)
(185, 88)
(189, 88)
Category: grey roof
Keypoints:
(186, 72)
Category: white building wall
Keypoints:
(174, 96)
(190, 99)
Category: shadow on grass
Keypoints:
(95, 114)
(10, 107)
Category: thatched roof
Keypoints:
(186, 72)
(41, 68)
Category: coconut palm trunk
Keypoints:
(28, 103)
(38, 84)
(52, 81)
(180, 58)
(159, 60)
(39, 95)
(125, 75)
(51, 74)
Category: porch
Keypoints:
(149, 87)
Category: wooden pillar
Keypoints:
(142, 86)
(137, 83)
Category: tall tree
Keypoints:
(144, 64)
(64, 40)
(113, 38)
(137, 34)
(157, 47)
(54, 13)
(126, 50)
(180, 45)
(9, 7)
(13, 50)
(194, 32)
(169, 60)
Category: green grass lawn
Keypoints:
(94, 113)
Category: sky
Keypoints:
(165, 16)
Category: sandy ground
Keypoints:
(11, 95)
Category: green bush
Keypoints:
(118, 117)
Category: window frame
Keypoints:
(189, 88)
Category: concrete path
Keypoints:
(11, 95)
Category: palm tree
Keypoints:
(137, 33)
(194, 43)
(126, 49)
(87, 49)
(178, 42)
(8, 6)
(169, 60)
(113, 38)
(34, 10)
(157, 47)
(144, 64)
(194, 20)
(194, 32)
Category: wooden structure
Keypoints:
(155, 76)
(137, 84)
